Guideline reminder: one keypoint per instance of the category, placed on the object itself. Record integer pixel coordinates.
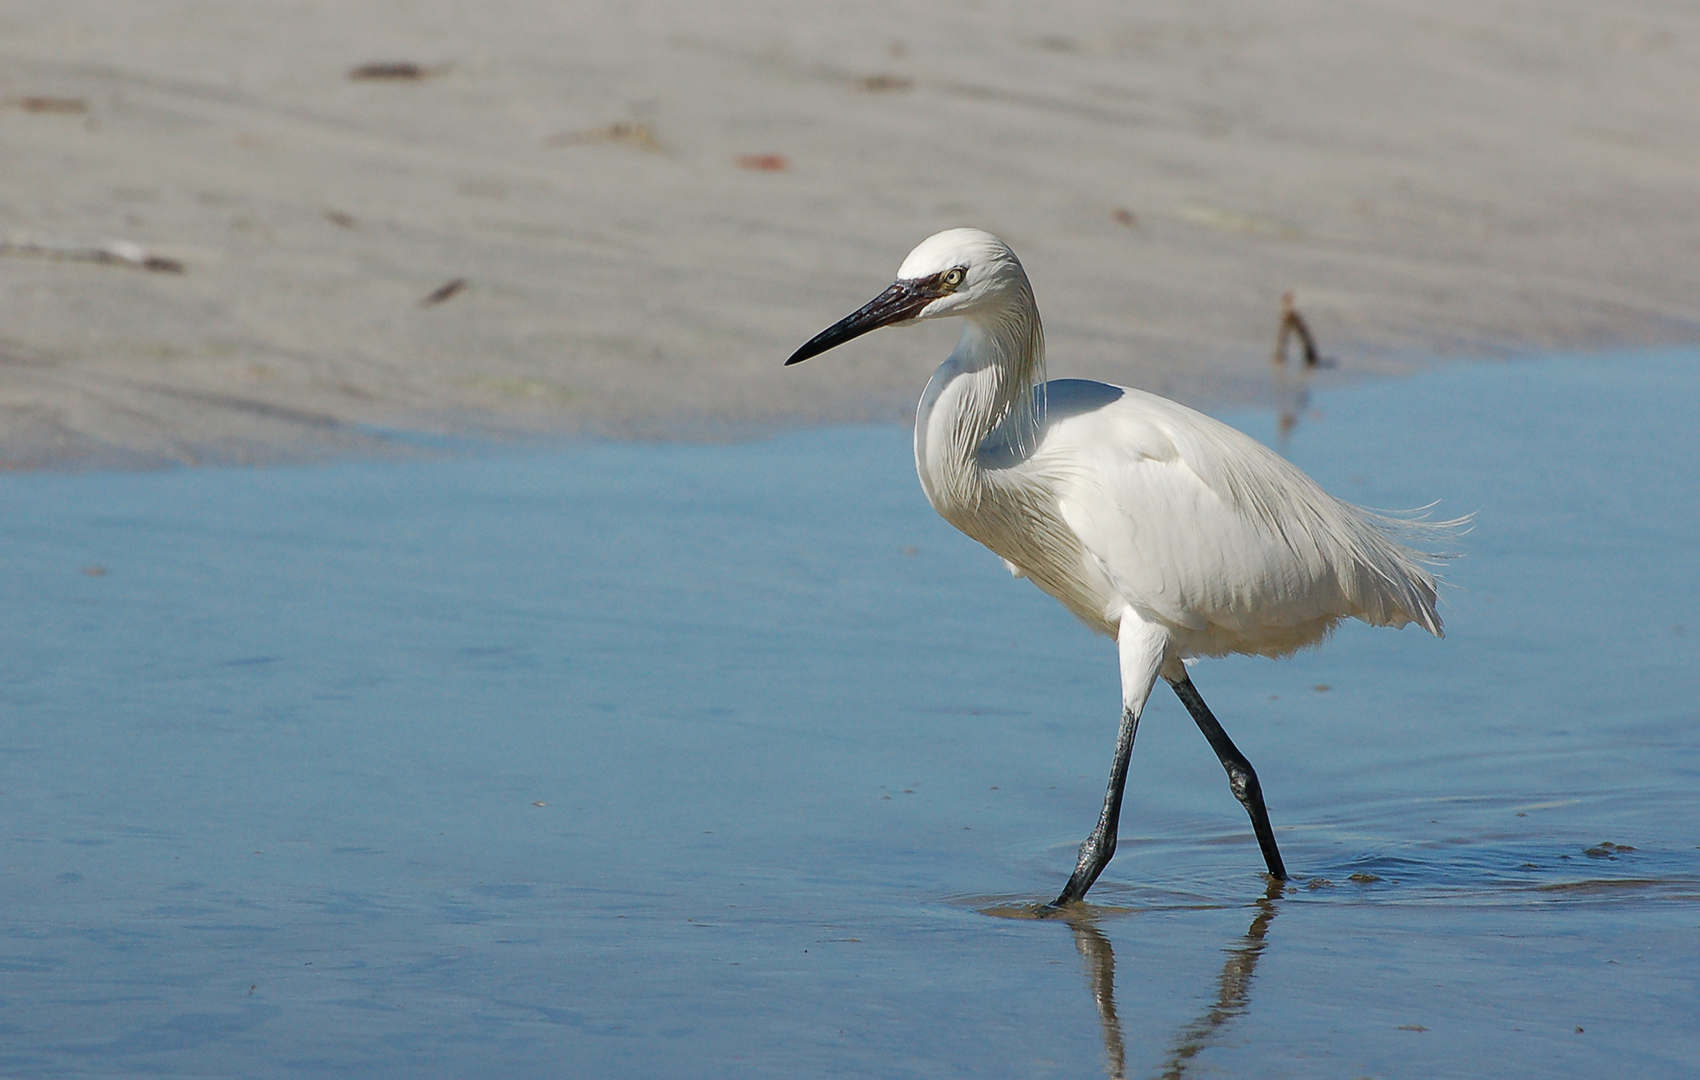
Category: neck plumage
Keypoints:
(987, 395)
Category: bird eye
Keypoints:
(953, 278)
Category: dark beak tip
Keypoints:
(807, 351)
(816, 345)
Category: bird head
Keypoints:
(955, 272)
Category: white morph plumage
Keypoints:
(1167, 530)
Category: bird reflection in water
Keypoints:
(1233, 992)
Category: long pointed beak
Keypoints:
(900, 303)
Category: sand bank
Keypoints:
(649, 205)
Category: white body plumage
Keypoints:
(1113, 500)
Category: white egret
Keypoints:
(1170, 532)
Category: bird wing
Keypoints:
(1212, 532)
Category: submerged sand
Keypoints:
(648, 206)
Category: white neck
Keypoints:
(984, 392)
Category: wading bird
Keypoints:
(1170, 532)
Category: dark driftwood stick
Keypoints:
(1294, 323)
(443, 292)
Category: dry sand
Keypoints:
(652, 204)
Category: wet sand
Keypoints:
(648, 206)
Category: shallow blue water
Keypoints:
(710, 761)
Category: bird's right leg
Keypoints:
(1140, 646)
(1242, 778)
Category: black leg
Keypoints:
(1096, 851)
(1242, 778)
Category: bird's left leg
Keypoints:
(1242, 778)
(1141, 646)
